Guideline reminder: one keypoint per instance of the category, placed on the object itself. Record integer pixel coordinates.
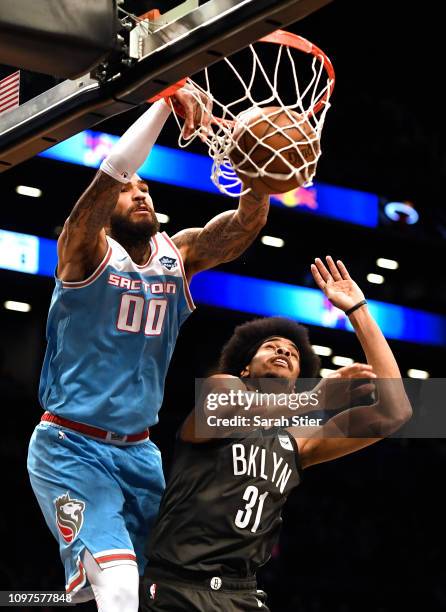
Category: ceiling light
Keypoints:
(17, 306)
(376, 279)
(162, 218)
(389, 264)
(324, 351)
(272, 241)
(342, 361)
(32, 192)
(414, 373)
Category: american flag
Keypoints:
(9, 92)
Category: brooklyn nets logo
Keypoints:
(216, 583)
(69, 516)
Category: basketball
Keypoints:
(276, 140)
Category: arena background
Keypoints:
(364, 532)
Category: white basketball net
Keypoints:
(242, 83)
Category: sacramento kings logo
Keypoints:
(168, 262)
(69, 516)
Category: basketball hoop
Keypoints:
(241, 84)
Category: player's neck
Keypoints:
(139, 254)
(139, 248)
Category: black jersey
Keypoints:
(221, 511)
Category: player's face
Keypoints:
(277, 357)
(134, 212)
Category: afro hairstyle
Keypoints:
(248, 337)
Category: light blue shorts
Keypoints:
(95, 495)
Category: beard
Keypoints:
(127, 231)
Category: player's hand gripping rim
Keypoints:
(196, 107)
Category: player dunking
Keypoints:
(121, 296)
(221, 512)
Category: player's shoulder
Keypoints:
(185, 237)
(225, 382)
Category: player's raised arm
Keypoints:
(224, 237)
(82, 244)
(391, 410)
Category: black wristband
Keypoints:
(355, 307)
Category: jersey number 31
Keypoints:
(251, 496)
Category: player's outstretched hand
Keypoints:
(336, 283)
(196, 107)
(356, 370)
(337, 391)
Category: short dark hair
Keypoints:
(248, 337)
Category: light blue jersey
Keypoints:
(111, 338)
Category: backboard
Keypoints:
(180, 43)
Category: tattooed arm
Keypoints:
(225, 237)
(82, 244)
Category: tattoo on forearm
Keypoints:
(93, 209)
(228, 235)
(253, 210)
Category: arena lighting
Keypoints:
(323, 351)
(324, 372)
(376, 279)
(192, 171)
(17, 306)
(388, 264)
(258, 296)
(272, 241)
(414, 373)
(309, 306)
(402, 212)
(32, 192)
(341, 361)
(162, 218)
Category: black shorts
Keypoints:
(165, 593)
